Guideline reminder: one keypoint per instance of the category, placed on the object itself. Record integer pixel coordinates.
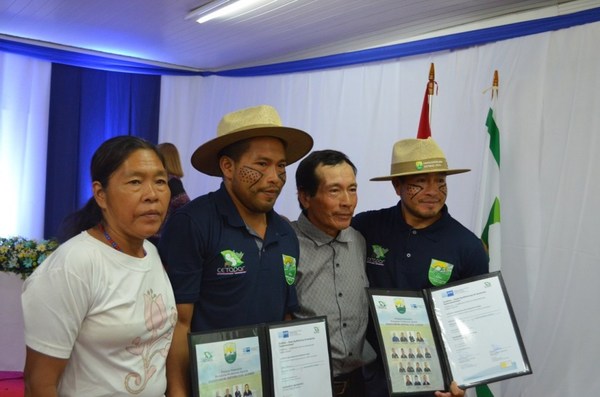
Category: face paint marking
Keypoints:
(412, 190)
(282, 176)
(444, 189)
(250, 175)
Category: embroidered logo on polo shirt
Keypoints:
(378, 255)
(439, 272)
(289, 269)
(233, 263)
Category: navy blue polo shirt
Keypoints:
(214, 262)
(401, 257)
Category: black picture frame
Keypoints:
(237, 356)
(438, 313)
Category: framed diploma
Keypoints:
(289, 358)
(464, 331)
(229, 362)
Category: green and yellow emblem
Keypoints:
(439, 272)
(400, 306)
(229, 352)
(289, 269)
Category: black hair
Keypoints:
(106, 160)
(235, 150)
(307, 180)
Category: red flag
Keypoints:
(424, 131)
(424, 127)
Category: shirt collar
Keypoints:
(431, 230)
(319, 236)
(228, 210)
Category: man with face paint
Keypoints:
(230, 257)
(416, 244)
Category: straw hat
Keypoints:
(247, 123)
(417, 156)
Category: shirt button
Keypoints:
(337, 265)
(340, 294)
(350, 354)
(344, 325)
(414, 232)
(408, 255)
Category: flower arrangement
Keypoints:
(22, 256)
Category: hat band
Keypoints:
(429, 165)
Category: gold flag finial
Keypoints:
(431, 83)
(495, 84)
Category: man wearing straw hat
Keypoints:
(230, 257)
(416, 244)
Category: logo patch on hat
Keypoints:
(439, 272)
(289, 269)
(419, 165)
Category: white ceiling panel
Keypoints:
(157, 31)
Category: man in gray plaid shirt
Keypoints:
(331, 279)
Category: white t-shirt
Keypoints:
(112, 315)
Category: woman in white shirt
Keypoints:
(99, 312)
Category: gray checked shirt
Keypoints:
(331, 281)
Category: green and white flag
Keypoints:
(490, 197)
(489, 204)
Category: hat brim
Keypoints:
(297, 144)
(447, 172)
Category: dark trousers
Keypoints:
(375, 380)
(351, 384)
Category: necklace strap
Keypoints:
(112, 242)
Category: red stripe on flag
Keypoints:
(424, 131)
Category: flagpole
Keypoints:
(490, 205)
(430, 89)
(495, 83)
(424, 130)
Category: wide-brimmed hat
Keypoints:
(247, 123)
(418, 156)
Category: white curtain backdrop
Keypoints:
(24, 96)
(549, 119)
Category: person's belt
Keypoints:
(339, 387)
(342, 382)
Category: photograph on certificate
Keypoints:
(225, 363)
(407, 341)
(300, 358)
(480, 335)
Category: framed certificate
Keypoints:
(300, 358)
(289, 358)
(230, 361)
(464, 331)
